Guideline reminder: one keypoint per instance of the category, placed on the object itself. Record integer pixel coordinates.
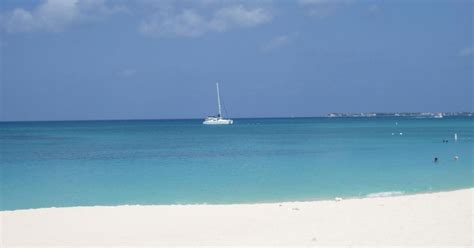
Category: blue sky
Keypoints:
(145, 59)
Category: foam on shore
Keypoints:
(385, 194)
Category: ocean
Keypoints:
(89, 163)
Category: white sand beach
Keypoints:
(435, 219)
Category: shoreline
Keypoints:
(428, 219)
(337, 199)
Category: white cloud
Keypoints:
(163, 18)
(467, 51)
(2, 43)
(320, 2)
(18, 20)
(374, 8)
(187, 23)
(127, 72)
(243, 17)
(275, 43)
(321, 8)
(55, 15)
(312, 2)
(194, 22)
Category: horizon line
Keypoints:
(268, 117)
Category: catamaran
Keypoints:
(219, 119)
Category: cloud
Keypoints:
(467, 51)
(374, 8)
(321, 8)
(187, 23)
(127, 72)
(162, 18)
(312, 2)
(55, 15)
(241, 17)
(193, 22)
(275, 43)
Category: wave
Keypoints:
(385, 194)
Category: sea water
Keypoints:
(88, 163)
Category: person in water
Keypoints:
(436, 159)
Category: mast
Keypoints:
(218, 100)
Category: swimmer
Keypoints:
(456, 158)
(436, 159)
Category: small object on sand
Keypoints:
(338, 199)
(295, 209)
(456, 158)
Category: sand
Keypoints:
(435, 219)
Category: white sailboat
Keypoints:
(219, 119)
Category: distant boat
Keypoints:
(438, 115)
(219, 119)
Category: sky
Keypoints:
(145, 59)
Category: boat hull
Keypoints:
(218, 122)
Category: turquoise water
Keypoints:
(46, 164)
